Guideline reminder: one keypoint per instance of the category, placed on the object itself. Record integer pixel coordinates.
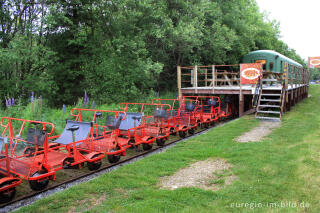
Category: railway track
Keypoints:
(33, 196)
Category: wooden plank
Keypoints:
(196, 77)
(241, 101)
(292, 86)
(179, 80)
(241, 104)
(213, 78)
(227, 80)
(286, 78)
(220, 80)
(226, 73)
(206, 77)
(220, 91)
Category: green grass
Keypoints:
(284, 167)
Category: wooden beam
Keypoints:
(213, 78)
(227, 80)
(196, 78)
(179, 80)
(292, 93)
(206, 77)
(241, 104)
(286, 78)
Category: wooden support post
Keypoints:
(213, 78)
(300, 93)
(196, 78)
(291, 80)
(179, 80)
(241, 101)
(206, 77)
(241, 104)
(301, 77)
(284, 83)
(286, 73)
(289, 101)
(303, 80)
(300, 84)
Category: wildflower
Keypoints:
(32, 97)
(9, 102)
(86, 98)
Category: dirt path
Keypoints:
(256, 134)
(211, 174)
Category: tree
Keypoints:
(122, 50)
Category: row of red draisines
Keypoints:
(31, 151)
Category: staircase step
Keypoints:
(274, 106)
(271, 100)
(268, 118)
(268, 112)
(270, 94)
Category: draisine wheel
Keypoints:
(38, 185)
(146, 146)
(94, 165)
(172, 132)
(113, 158)
(160, 141)
(66, 164)
(7, 195)
(182, 134)
(191, 131)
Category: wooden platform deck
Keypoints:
(233, 90)
(225, 80)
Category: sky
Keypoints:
(299, 23)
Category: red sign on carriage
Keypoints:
(314, 62)
(250, 73)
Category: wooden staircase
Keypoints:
(269, 103)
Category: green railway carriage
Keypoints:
(272, 61)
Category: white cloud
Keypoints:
(299, 23)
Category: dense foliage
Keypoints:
(315, 74)
(124, 49)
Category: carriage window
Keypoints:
(263, 62)
(271, 65)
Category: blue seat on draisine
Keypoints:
(80, 134)
(133, 119)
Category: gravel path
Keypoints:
(201, 174)
(256, 134)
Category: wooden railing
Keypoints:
(208, 76)
(229, 75)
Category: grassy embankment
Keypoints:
(282, 169)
